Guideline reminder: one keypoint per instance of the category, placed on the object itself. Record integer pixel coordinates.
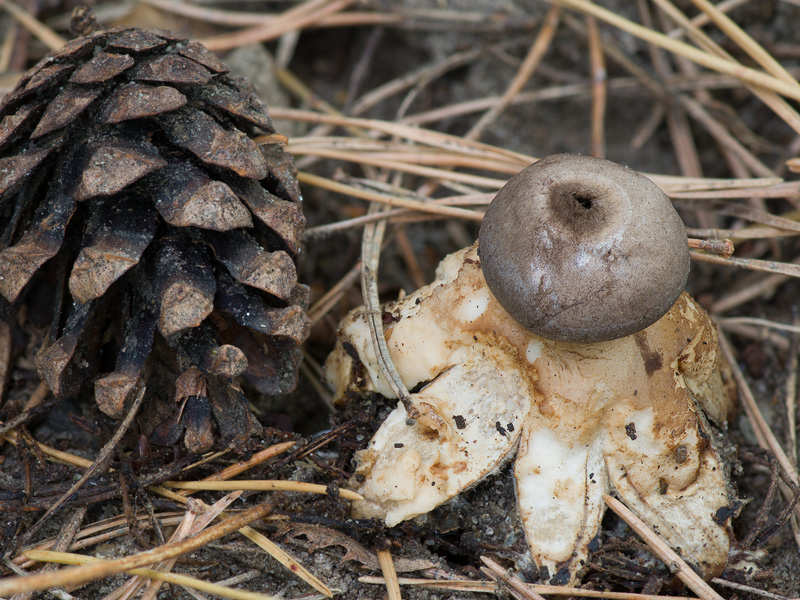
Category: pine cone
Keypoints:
(136, 205)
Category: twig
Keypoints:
(408, 132)
(758, 322)
(723, 248)
(184, 580)
(395, 165)
(323, 306)
(675, 563)
(389, 574)
(370, 257)
(295, 18)
(259, 485)
(745, 74)
(752, 264)
(242, 466)
(41, 31)
(84, 574)
(355, 192)
(532, 60)
(100, 464)
(599, 88)
(57, 455)
(518, 588)
(745, 42)
(747, 589)
(490, 587)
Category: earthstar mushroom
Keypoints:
(625, 415)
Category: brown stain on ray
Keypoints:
(653, 360)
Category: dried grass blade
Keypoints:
(674, 184)
(295, 18)
(761, 323)
(99, 465)
(744, 74)
(785, 189)
(408, 132)
(425, 207)
(389, 575)
(446, 585)
(517, 587)
(762, 217)
(259, 485)
(599, 88)
(490, 587)
(779, 106)
(284, 558)
(371, 243)
(745, 42)
(752, 264)
(57, 455)
(397, 165)
(324, 305)
(746, 233)
(86, 573)
(534, 57)
(132, 586)
(675, 563)
(242, 466)
(766, 439)
(220, 17)
(174, 578)
(42, 32)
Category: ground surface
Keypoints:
(340, 65)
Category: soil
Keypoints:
(339, 65)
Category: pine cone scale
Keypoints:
(200, 54)
(102, 67)
(63, 109)
(136, 101)
(115, 389)
(11, 123)
(173, 69)
(117, 237)
(40, 243)
(202, 136)
(115, 164)
(15, 169)
(188, 198)
(137, 41)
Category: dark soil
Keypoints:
(340, 65)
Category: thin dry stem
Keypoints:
(42, 32)
(242, 466)
(389, 575)
(99, 464)
(599, 88)
(84, 574)
(348, 190)
(67, 558)
(298, 17)
(766, 438)
(526, 70)
(723, 248)
(675, 563)
(517, 587)
(259, 485)
(744, 74)
(752, 264)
